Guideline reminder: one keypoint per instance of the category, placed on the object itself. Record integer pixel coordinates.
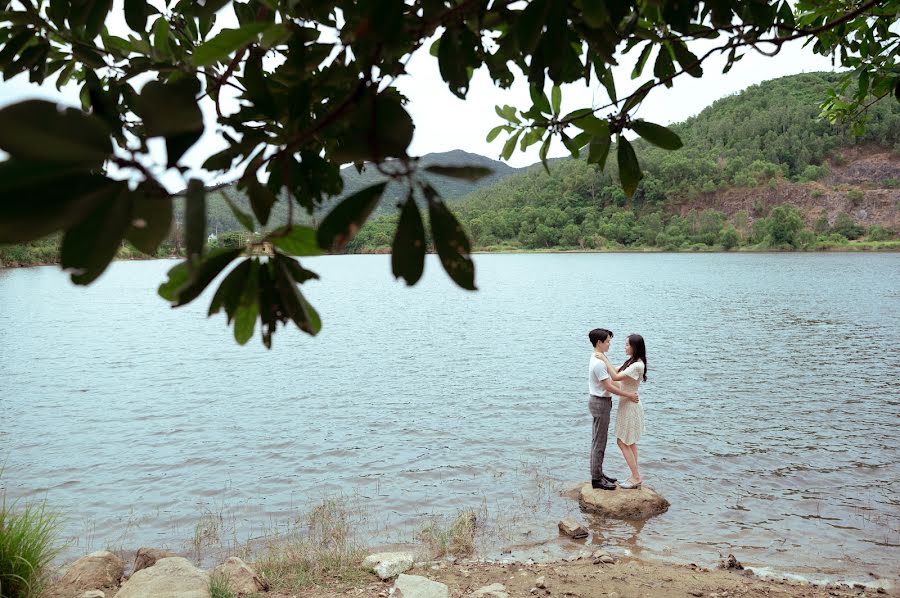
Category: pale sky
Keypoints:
(444, 122)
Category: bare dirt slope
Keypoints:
(871, 170)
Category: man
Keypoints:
(601, 389)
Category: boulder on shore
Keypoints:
(171, 577)
(241, 578)
(638, 504)
(101, 569)
(416, 586)
(147, 557)
(388, 564)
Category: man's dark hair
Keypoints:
(599, 334)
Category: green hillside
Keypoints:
(743, 157)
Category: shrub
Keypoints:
(879, 233)
(846, 227)
(28, 544)
(457, 540)
(855, 196)
(730, 238)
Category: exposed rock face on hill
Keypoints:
(870, 170)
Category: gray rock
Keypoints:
(171, 577)
(540, 582)
(147, 557)
(730, 563)
(495, 590)
(632, 505)
(101, 569)
(571, 528)
(93, 594)
(388, 564)
(241, 578)
(416, 586)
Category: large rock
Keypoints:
(241, 578)
(95, 571)
(388, 564)
(416, 586)
(622, 504)
(147, 557)
(171, 577)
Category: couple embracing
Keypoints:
(604, 381)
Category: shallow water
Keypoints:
(772, 403)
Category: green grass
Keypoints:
(457, 539)
(219, 588)
(28, 544)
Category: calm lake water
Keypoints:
(772, 405)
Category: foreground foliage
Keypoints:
(28, 544)
(315, 84)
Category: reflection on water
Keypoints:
(772, 402)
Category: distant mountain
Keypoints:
(221, 219)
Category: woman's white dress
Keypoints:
(630, 415)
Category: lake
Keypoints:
(772, 405)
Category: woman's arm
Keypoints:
(612, 388)
(613, 372)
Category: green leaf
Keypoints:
(151, 217)
(241, 216)
(510, 146)
(451, 244)
(88, 247)
(556, 98)
(12, 47)
(545, 148)
(187, 281)
(408, 251)
(456, 56)
(637, 97)
(598, 150)
(195, 219)
(469, 173)
(231, 289)
(380, 128)
(136, 13)
(37, 130)
(255, 83)
(496, 131)
(295, 240)
(657, 135)
(161, 37)
(664, 68)
(295, 305)
(539, 99)
(245, 319)
(594, 13)
(629, 170)
(687, 59)
(642, 60)
(38, 198)
(261, 200)
(530, 23)
(170, 110)
(229, 40)
(345, 220)
(593, 125)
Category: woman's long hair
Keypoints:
(638, 352)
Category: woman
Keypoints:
(630, 415)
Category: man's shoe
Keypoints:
(608, 479)
(602, 485)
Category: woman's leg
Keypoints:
(629, 459)
(636, 471)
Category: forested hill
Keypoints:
(743, 156)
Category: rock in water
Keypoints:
(97, 570)
(171, 577)
(241, 578)
(147, 557)
(416, 586)
(388, 564)
(571, 528)
(622, 504)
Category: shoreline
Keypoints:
(512, 251)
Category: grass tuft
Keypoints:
(219, 586)
(457, 539)
(28, 545)
(318, 547)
